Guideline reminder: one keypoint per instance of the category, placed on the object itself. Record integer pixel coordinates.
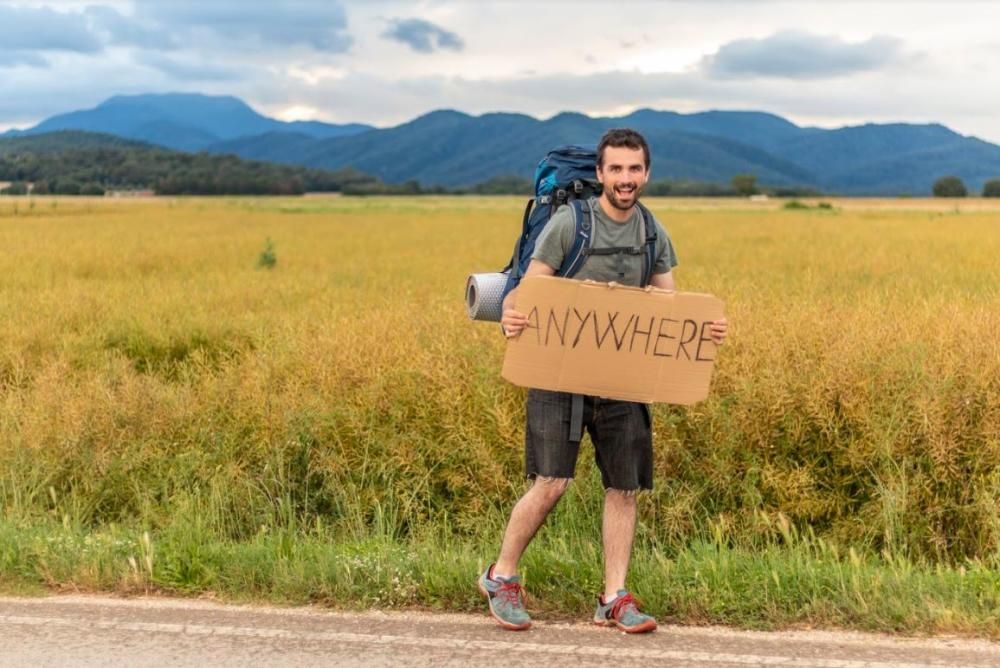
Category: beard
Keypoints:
(630, 199)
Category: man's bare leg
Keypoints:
(619, 531)
(528, 515)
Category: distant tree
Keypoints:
(67, 188)
(504, 185)
(15, 188)
(658, 188)
(991, 188)
(744, 184)
(699, 189)
(950, 186)
(92, 189)
(40, 188)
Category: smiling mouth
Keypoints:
(625, 190)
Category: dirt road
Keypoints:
(84, 631)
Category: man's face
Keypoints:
(623, 174)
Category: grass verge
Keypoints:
(787, 579)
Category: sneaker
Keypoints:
(623, 612)
(506, 597)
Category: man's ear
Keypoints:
(600, 176)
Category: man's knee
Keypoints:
(549, 488)
(625, 495)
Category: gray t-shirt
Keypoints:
(557, 238)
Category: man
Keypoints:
(621, 431)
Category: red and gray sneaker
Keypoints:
(506, 598)
(623, 612)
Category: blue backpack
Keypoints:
(567, 175)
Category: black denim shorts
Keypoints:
(620, 431)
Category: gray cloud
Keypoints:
(188, 71)
(123, 30)
(793, 54)
(14, 58)
(25, 30)
(422, 36)
(320, 25)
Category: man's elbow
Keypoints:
(539, 268)
(664, 281)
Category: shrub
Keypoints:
(67, 188)
(991, 188)
(267, 258)
(744, 184)
(950, 186)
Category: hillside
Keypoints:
(451, 149)
(74, 162)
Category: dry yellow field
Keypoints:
(147, 365)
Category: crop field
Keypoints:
(177, 416)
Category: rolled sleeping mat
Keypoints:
(484, 296)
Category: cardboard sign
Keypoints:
(613, 341)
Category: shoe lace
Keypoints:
(622, 604)
(511, 592)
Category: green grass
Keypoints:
(782, 579)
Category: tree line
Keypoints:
(94, 171)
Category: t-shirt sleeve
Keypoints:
(556, 239)
(666, 257)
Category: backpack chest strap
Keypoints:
(614, 250)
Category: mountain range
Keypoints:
(183, 121)
(450, 148)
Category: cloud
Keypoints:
(127, 31)
(187, 71)
(422, 36)
(885, 97)
(320, 25)
(14, 58)
(30, 29)
(792, 54)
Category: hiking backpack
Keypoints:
(568, 175)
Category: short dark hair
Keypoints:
(619, 137)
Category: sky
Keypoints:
(817, 63)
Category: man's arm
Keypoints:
(664, 281)
(514, 321)
(717, 330)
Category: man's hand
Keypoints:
(513, 322)
(718, 330)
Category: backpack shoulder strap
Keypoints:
(583, 221)
(513, 266)
(649, 256)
